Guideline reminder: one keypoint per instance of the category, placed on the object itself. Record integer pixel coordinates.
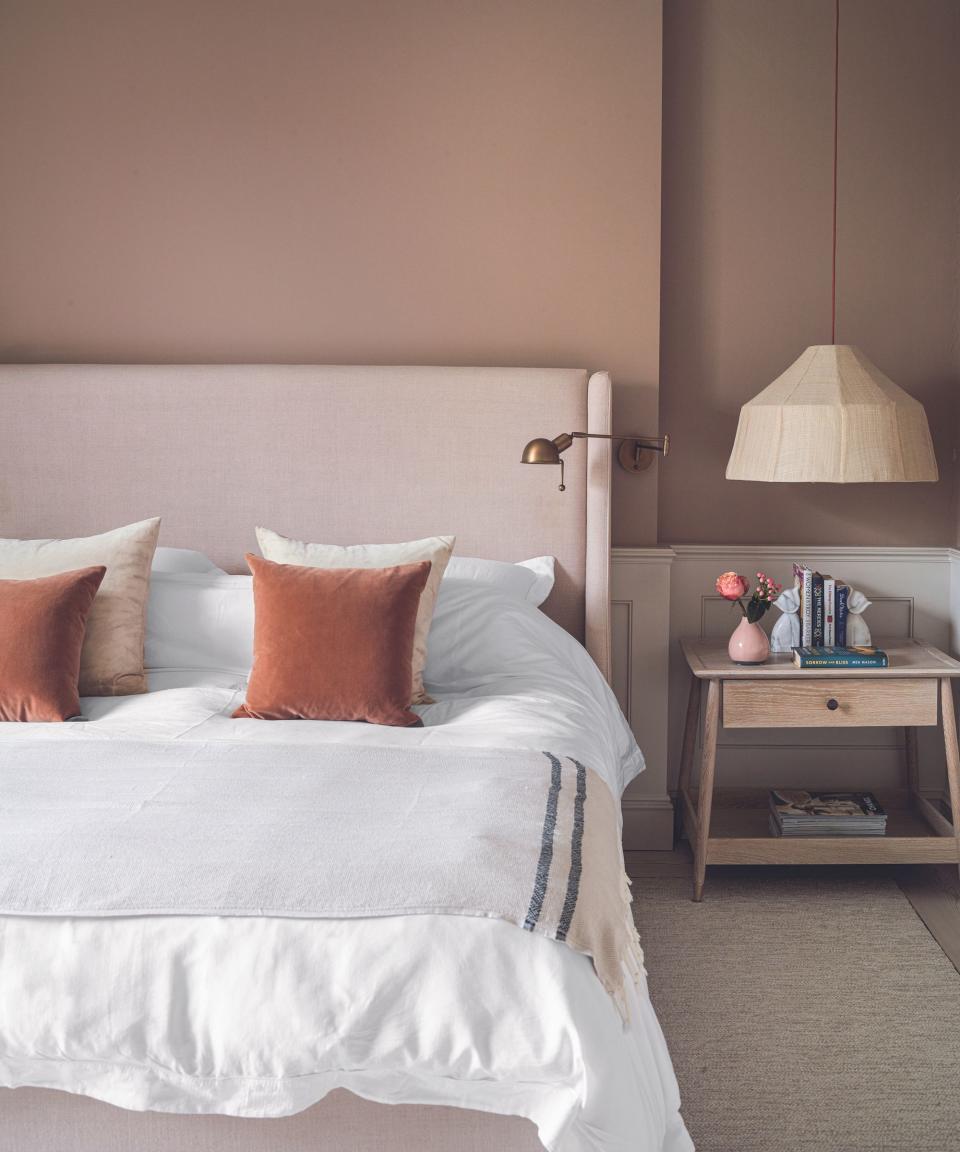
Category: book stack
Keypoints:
(859, 656)
(823, 608)
(797, 813)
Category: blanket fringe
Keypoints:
(632, 958)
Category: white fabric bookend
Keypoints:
(857, 630)
(786, 632)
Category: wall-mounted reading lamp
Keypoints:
(635, 453)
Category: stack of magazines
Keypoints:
(797, 813)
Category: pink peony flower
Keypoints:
(732, 586)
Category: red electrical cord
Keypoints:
(836, 126)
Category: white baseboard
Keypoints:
(648, 824)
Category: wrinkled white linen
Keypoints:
(263, 1016)
(502, 674)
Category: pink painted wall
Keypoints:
(747, 175)
(337, 181)
(438, 182)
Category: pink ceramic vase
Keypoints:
(748, 644)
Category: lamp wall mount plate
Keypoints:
(633, 457)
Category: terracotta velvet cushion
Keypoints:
(42, 626)
(436, 549)
(333, 643)
(111, 663)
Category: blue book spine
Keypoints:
(840, 625)
(823, 657)
(817, 610)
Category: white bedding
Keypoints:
(264, 1016)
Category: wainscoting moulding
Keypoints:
(640, 643)
(660, 594)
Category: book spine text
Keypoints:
(817, 609)
(841, 661)
(841, 623)
(829, 611)
(806, 606)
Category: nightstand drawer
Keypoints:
(827, 703)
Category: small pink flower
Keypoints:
(732, 586)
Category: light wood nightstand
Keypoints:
(778, 695)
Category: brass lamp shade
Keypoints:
(544, 451)
(833, 417)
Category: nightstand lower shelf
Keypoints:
(739, 834)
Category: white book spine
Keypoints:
(806, 636)
(829, 612)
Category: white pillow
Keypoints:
(182, 560)
(200, 620)
(203, 618)
(530, 580)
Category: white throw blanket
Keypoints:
(531, 838)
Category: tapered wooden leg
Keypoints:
(690, 723)
(708, 763)
(953, 756)
(913, 764)
(689, 733)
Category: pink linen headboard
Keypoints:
(335, 454)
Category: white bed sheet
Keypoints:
(262, 1017)
(529, 713)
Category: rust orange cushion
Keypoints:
(42, 626)
(333, 643)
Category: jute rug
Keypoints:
(805, 1010)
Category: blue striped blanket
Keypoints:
(126, 828)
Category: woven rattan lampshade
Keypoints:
(832, 417)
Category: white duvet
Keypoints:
(264, 1016)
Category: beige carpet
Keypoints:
(805, 1010)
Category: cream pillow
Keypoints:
(436, 549)
(111, 660)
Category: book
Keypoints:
(803, 580)
(843, 593)
(820, 656)
(817, 597)
(797, 812)
(829, 611)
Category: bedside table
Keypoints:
(909, 693)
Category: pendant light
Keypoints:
(833, 416)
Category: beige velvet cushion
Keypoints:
(111, 661)
(436, 549)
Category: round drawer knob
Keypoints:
(832, 704)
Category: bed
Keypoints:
(246, 1032)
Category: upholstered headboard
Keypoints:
(337, 454)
